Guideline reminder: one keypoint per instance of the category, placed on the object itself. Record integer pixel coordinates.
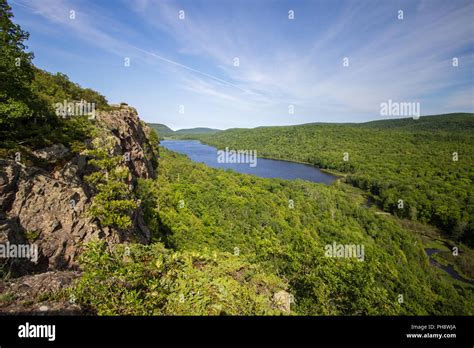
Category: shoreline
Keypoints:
(338, 175)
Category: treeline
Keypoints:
(282, 227)
(165, 132)
(28, 94)
(417, 169)
(55, 88)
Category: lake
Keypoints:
(264, 168)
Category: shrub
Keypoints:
(135, 279)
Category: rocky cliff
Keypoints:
(48, 208)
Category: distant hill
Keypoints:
(199, 130)
(162, 130)
(446, 122)
(166, 132)
(397, 159)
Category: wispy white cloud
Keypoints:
(404, 59)
(408, 60)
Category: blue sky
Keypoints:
(282, 62)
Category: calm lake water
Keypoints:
(265, 168)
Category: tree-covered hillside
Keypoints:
(166, 132)
(28, 95)
(204, 241)
(419, 169)
(162, 130)
(460, 122)
(282, 227)
(198, 130)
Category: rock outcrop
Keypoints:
(124, 124)
(20, 293)
(48, 208)
(283, 300)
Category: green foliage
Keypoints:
(28, 95)
(18, 103)
(225, 210)
(113, 204)
(152, 280)
(56, 88)
(197, 130)
(162, 130)
(31, 236)
(147, 192)
(165, 132)
(232, 240)
(407, 159)
(6, 298)
(151, 145)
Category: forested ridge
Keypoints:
(419, 169)
(166, 132)
(223, 243)
(195, 209)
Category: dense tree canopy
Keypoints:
(225, 243)
(418, 169)
(17, 100)
(192, 207)
(28, 94)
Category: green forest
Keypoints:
(225, 243)
(28, 94)
(165, 132)
(221, 219)
(416, 169)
